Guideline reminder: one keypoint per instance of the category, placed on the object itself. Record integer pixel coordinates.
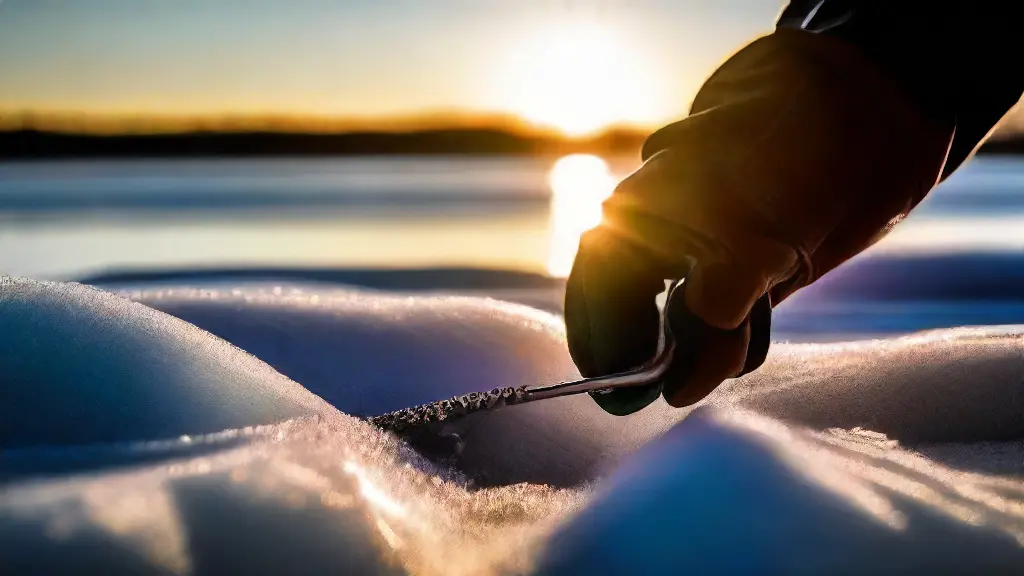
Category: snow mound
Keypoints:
(885, 456)
(956, 385)
(307, 496)
(369, 352)
(82, 366)
(733, 492)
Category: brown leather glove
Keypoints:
(797, 155)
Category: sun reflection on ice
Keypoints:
(579, 184)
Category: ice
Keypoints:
(882, 456)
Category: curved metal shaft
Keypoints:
(643, 376)
(430, 416)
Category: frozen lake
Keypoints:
(958, 260)
(61, 219)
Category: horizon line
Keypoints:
(104, 123)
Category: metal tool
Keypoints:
(435, 414)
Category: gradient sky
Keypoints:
(351, 58)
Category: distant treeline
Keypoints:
(30, 144)
(35, 144)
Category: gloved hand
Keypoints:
(797, 155)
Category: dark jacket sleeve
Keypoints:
(958, 60)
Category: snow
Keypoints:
(83, 366)
(745, 494)
(329, 495)
(134, 441)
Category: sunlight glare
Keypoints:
(579, 79)
(579, 184)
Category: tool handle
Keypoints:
(696, 340)
(649, 373)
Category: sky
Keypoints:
(572, 64)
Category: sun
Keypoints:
(578, 79)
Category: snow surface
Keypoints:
(134, 442)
